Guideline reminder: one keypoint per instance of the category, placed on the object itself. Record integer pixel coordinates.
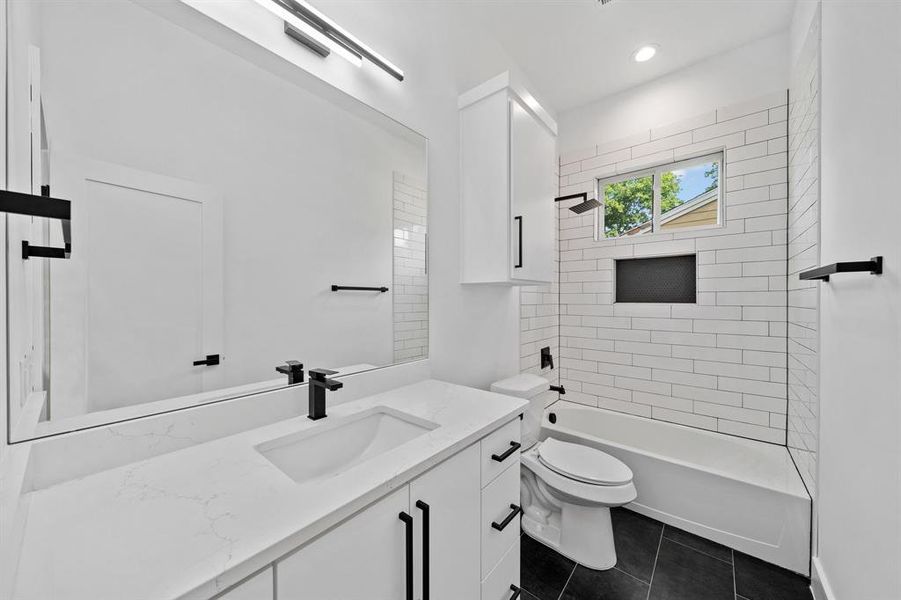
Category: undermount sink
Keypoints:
(332, 448)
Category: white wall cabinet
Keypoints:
(508, 184)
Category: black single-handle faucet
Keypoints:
(319, 382)
(294, 370)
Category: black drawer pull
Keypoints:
(503, 524)
(514, 446)
(408, 522)
(516, 591)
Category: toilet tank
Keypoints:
(530, 387)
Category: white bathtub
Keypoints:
(738, 492)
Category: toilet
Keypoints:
(567, 489)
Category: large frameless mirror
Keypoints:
(223, 217)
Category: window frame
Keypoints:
(656, 172)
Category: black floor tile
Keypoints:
(698, 543)
(684, 574)
(636, 538)
(543, 572)
(612, 584)
(758, 580)
(524, 595)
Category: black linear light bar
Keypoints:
(358, 288)
(873, 266)
(334, 32)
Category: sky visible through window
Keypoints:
(694, 180)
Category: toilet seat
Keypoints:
(575, 491)
(583, 463)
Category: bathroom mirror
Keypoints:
(215, 203)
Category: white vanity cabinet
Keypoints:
(508, 185)
(258, 587)
(366, 556)
(450, 534)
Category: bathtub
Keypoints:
(738, 492)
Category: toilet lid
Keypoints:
(583, 463)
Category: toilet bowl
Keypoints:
(567, 489)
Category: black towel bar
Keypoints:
(357, 288)
(874, 266)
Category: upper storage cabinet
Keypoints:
(509, 181)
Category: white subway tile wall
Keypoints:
(803, 254)
(720, 364)
(540, 325)
(411, 284)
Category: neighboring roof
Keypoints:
(692, 205)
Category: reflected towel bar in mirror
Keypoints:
(873, 266)
(40, 206)
(358, 288)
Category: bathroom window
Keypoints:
(679, 195)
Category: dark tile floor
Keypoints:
(657, 562)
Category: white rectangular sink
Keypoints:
(332, 447)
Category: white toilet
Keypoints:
(567, 489)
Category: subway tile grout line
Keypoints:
(656, 558)
(563, 591)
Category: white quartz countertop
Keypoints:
(190, 523)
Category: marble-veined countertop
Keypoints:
(190, 523)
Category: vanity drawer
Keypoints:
(497, 585)
(500, 506)
(499, 444)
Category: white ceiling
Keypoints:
(577, 51)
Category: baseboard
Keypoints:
(819, 585)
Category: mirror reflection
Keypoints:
(212, 242)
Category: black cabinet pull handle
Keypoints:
(516, 592)
(503, 524)
(425, 547)
(408, 525)
(210, 361)
(518, 264)
(514, 446)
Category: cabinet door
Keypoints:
(361, 559)
(532, 190)
(452, 493)
(258, 587)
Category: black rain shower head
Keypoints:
(585, 206)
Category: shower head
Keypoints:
(585, 206)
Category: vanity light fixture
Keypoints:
(306, 34)
(305, 23)
(645, 53)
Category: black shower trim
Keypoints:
(582, 196)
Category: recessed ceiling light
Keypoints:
(645, 53)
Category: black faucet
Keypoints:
(319, 382)
(294, 371)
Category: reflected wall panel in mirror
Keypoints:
(214, 205)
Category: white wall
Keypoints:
(307, 187)
(725, 79)
(859, 546)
